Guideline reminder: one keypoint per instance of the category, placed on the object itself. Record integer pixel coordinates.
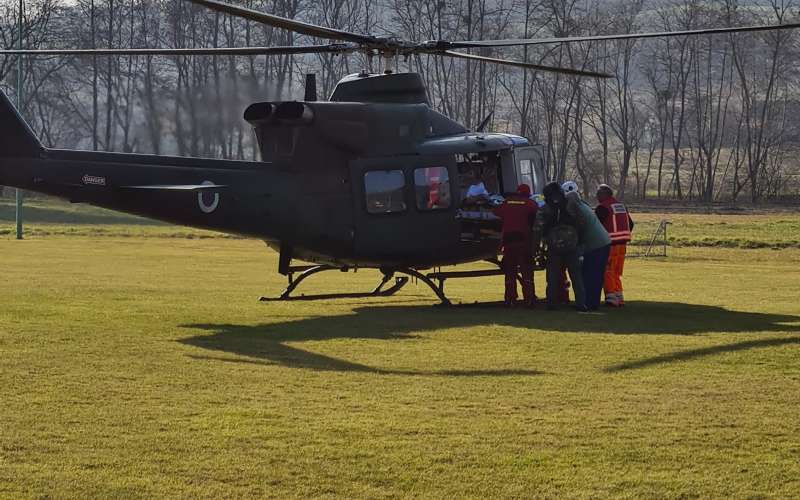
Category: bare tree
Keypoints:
(707, 117)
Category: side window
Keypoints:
(385, 191)
(526, 174)
(432, 188)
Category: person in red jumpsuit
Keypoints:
(518, 213)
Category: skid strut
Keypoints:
(379, 291)
(437, 289)
(307, 271)
(435, 281)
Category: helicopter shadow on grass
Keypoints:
(267, 343)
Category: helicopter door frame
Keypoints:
(385, 227)
(528, 167)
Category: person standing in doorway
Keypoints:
(517, 214)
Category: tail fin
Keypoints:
(17, 140)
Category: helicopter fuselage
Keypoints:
(358, 184)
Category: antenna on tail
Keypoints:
(311, 87)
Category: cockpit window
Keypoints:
(385, 191)
(432, 188)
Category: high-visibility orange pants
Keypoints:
(612, 280)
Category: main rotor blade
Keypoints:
(622, 36)
(199, 51)
(520, 64)
(282, 22)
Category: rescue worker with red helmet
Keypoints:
(517, 214)
(617, 221)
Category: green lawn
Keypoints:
(48, 217)
(770, 230)
(145, 367)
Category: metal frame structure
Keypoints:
(19, 195)
(434, 280)
(654, 242)
(310, 270)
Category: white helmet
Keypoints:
(569, 187)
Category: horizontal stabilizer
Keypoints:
(178, 187)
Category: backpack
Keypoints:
(562, 239)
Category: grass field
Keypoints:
(745, 230)
(145, 367)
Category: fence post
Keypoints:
(19, 193)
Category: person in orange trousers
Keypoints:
(617, 221)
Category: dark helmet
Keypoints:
(553, 194)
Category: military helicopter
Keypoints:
(372, 178)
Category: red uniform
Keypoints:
(433, 178)
(517, 214)
(616, 220)
(618, 223)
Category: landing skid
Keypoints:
(307, 271)
(435, 281)
(379, 291)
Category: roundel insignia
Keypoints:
(207, 200)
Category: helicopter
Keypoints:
(373, 177)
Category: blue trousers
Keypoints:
(593, 270)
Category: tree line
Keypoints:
(706, 118)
